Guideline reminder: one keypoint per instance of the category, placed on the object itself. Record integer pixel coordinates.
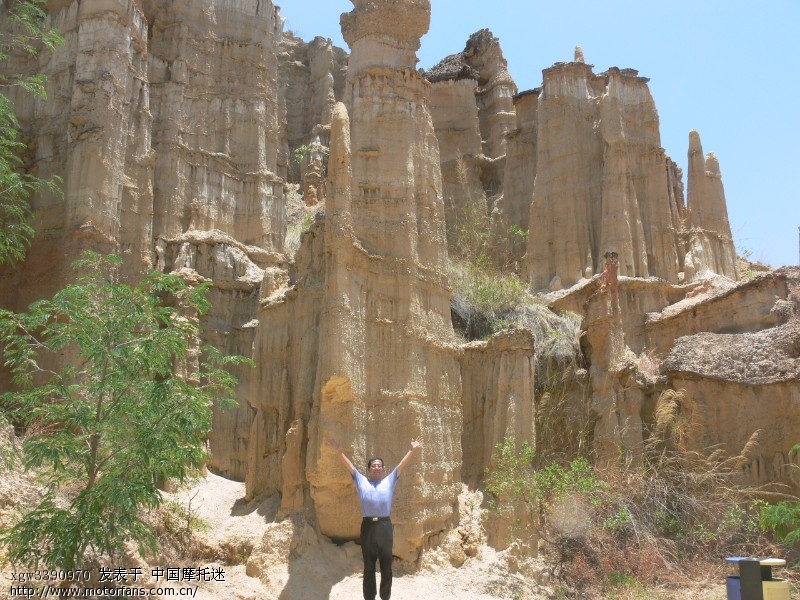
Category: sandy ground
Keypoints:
(321, 570)
(326, 571)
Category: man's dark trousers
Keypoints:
(377, 538)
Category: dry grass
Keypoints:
(664, 523)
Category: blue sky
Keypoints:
(727, 69)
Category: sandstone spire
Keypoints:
(388, 304)
(385, 33)
(311, 80)
(473, 111)
(371, 306)
(711, 245)
(602, 178)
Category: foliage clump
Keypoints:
(485, 301)
(116, 396)
(488, 296)
(23, 34)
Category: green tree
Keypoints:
(23, 34)
(525, 497)
(511, 485)
(113, 404)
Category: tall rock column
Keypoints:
(603, 182)
(388, 371)
(520, 170)
(455, 118)
(495, 93)
(710, 243)
(568, 178)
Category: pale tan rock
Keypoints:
(497, 398)
(361, 349)
(602, 179)
(229, 326)
(648, 338)
(495, 91)
(385, 34)
(455, 119)
(710, 243)
(173, 124)
(735, 385)
(311, 80)
(161, 118)
(746, 308)
(213, 86)
(473, 109)
(283, 384)
(387, 319)
(519, 175)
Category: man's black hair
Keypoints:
(369, 462)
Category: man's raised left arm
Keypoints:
(415, 444)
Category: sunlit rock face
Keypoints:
(603, 181)
(390, 372)
(473, 111)
(161, 118)
(173, 125)
(709, 242)
(362, 349)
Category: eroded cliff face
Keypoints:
(162, 118)
(390, 314)
(600, 134)
(730, 350)
(240, 275)
(591, 144)
(473, 110)
(311, 77)
(740, 377)
(498, 382)
(520, 167)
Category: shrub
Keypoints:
(512, 482)
(121, 397)
(636, 521)
(486, 301)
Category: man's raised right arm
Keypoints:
(337, 447)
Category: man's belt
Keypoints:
(375, 519)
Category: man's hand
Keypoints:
(415, 444)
